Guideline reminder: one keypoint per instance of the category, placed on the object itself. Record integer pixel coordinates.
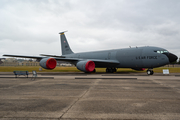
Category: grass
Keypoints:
(171, 70)
(74, 69)
(36, 68)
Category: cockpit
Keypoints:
(161, 51)
(171, 56)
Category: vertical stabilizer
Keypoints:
(65, 48)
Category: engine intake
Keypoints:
(86, 66)
(48, 63)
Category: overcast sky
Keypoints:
(31, 27)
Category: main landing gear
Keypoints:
(150, 72)
(110, 70)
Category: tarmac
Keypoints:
(72, 96)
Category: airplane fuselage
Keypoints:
(139, 57)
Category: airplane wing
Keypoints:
(52, 56)
(24, 56)
(98, 62)
(60, 58)
(105, 63)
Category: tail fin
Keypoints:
(64, 44)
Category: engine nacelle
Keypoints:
(86, 66)
(48, 63)
(139, 69)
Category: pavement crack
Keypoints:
(90, 88)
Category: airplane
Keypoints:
(138, 58)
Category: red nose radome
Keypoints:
(90, 65)
(51, 63)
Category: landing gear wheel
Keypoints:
(107, 70)
(150, 72)
(110, 70)
(114, 69)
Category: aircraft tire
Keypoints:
(114, 69)
(107, 70)
(110, 70)
(150, 72)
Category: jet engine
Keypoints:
(48, 63)
(86, 66)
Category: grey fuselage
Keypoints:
(139, 57)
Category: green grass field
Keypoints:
(74, 69)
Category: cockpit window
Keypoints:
(161, 51)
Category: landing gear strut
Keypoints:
(110, 70)
(150, 72)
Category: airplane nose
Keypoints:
(172, 57)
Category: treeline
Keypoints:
(176, 62)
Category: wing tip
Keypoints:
(5, 55)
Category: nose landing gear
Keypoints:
(150, 72)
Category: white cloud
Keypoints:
(31, 27)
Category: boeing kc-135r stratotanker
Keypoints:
(138, 58)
